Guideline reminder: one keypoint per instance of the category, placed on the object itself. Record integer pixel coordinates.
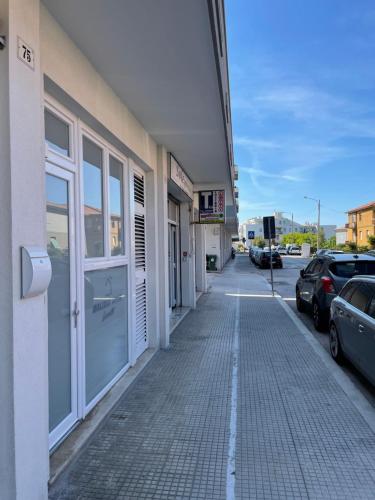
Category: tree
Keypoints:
(259, 242)
(371, 241)
(330, 243)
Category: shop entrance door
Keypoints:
(172, 255)
(62, 303)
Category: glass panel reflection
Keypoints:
(57, 133)
(93, 198)
(59, 307)
(106, 326)
(116, 206)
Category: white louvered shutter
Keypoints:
(140, 263)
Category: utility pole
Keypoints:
(318, 235)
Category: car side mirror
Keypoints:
(302, 273)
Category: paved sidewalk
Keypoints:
(288, 429)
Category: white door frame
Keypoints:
(173, 264)
(63, 428)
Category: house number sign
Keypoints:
(25, 53)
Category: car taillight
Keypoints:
(327, 284)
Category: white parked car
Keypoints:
(294, 250)
(282, 250)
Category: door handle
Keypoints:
(361, 328)
(75, 314)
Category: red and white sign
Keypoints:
(212, 207)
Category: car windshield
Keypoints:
(350, 269)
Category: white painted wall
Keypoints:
(162, 246)
(227, 245)
(187, 262)
(341, 236)
(200, 257)
(7, 458)
(65, 64)
(25, 321)
(213, 242)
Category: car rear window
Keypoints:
(352, 268)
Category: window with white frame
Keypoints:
(102, 225)
(92, 156)
(106, 266)
(57, 133)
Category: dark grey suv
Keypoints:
(322, 280)
(352, 325)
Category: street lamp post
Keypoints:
(318, 235)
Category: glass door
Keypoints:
(62, 303)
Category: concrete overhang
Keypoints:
(161, 58)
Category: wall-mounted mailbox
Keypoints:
(36, 271)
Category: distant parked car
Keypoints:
(282, 250)
(371, 252)
(294, 250)
(252, 251)
(327, 251)
(322, 280)
(352, 325)
(262, 259)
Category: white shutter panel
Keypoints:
(140, 264)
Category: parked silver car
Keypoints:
(352, 325)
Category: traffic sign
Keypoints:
(250, 235)
(269, 228)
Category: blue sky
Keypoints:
(303, 105)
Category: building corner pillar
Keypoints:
(162, 227)
(24, 344)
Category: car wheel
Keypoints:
(320, 319)
(299, 302)
(335, 345)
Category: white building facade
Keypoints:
(106, 137)
(341, 236)
(283, 226)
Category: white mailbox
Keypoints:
(36, 271)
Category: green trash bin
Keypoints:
(211, 262)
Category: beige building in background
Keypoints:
(361, 224)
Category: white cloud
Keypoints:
(256, 172)
(256, 143)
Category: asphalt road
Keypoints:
(284, 283)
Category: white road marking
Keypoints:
(261, 295)
(231, 465)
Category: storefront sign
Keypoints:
(179, 177)
(212, 207)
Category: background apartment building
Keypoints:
(114, 116)
(284, 225)
(361, 223)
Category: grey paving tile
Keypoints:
(298, 435)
